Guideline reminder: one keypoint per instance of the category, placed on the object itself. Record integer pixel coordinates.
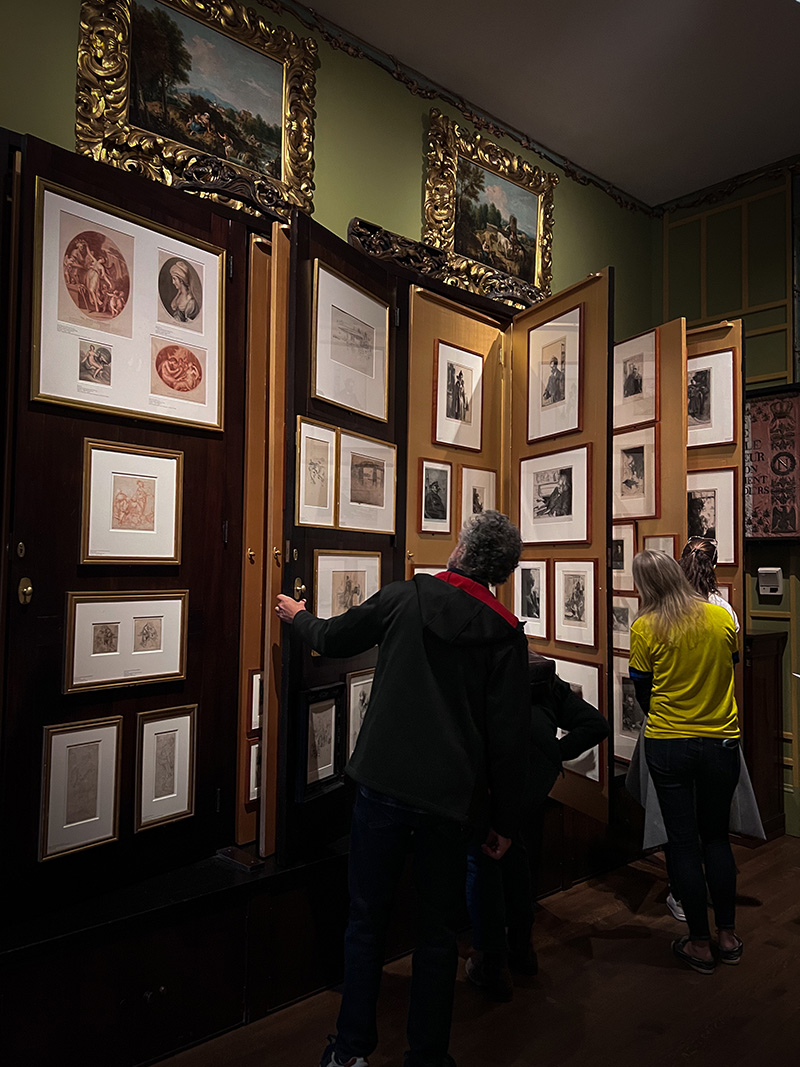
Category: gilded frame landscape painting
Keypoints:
(205, 96)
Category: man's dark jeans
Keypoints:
(383, 833)
(695, 779)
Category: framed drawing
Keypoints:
(350, 346)
(554, 376)
(490, 209)
(119, 639)
(132, 504)
(711, 509)
(636, 380)
(367, 481)
(666, 543)
(531, 596)
(343, 580)
(623, 612)
(253, 770)
(315, 484)
(359, 690)
(628, 716)
(711, 399)
(435, 495)
(321, 720)
(635, 466)
(623, 549)
(207, 97)
(429, 570)
(585, 679)
(555, 497)
(478, 491)
(771, 467)
(128, 316)
(575, 603)
(725, 590)
(165, 761)
(457, 397)
(80, 786)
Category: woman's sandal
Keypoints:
(701, 966)
(732, 956)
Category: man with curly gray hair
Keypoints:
(444, 746)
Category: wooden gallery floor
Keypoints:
(609, 991)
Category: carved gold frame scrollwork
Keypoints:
(446, 142)
(103, 131)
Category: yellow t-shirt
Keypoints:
(692, 692)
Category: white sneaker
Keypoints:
(676, 908)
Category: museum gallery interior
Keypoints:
(288, 296)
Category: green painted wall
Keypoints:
(371, 135)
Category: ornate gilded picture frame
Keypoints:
(489, 209)
(205, 97)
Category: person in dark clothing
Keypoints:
(500, 895)
(443, 746)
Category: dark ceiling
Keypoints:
(659, 99)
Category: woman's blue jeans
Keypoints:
(382, 835)
(695, 779)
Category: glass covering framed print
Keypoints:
(711, 399)
(635, 482)
(623, 549)
(128, 316)
(531, 596)
(711, 509)
(636, 380)
(350, 348)
(435, 496)
(343, 580)
(316, 481)
(367, 480)
(132, 504)
(457, 397)
(575, 602)
(555, 497)
(554, 376)
(166, 755)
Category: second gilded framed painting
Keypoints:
(132, 504)
(350, 347)
(128, 316)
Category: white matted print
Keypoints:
(359, 691)
(80, 785)
(574, 601)
(132, 504)
(554, 497)
(429, 570)
(628, 716)
(583, 679)
(435, 489)
(254, 771)
(128, 316)
(321, 754)
(666, 543)
(343, 580)
(623, 612)
(315, 484)
(635, 474)
(636, 380)
(711, 509)
(530, 596)
(554, 376)
(366, 483)
(117, 639)
(166, 744)
(457, 397)
(350, 348)
(710, 399)
(478, 491)
(623, 549)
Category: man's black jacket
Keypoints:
(448, 724)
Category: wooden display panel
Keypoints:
(595, 296)
(436, 319)
(699, 342)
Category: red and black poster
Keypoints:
(771, 475)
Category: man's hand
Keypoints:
(495, 846)
(288, 607)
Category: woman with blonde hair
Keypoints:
(683, 650)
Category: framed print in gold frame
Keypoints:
(80, 786)
(128, 316)
(316, 483)
(166, 742)
(463, 217)
(123, 639)
(367, 483)
(156, 98)
(132, 505)
(344, 579)
(350, 345)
